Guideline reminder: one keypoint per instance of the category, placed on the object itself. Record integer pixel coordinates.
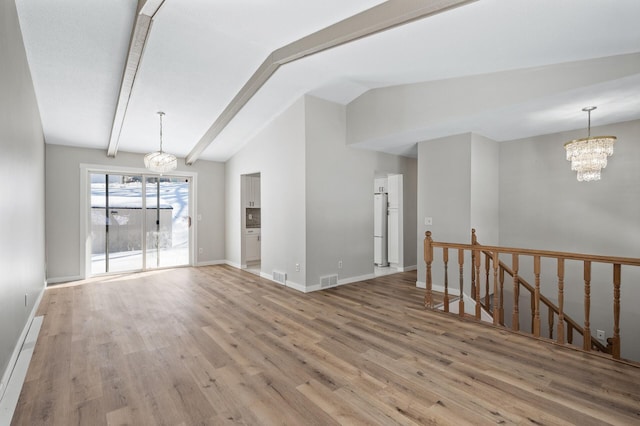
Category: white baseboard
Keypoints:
(211, 263)
(269, 277)
(58, 280)
(407, 268)
(9, 400)
(233, 264)
(349, 280)
(356, 279)
(16, 350)
(439, 288)
(296, 286)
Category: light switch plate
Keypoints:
(428, 221)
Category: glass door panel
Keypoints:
(116, 223)
(167, 231)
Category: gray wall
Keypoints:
(22, 258)
(63, 178)
(316, 196)
(433, 109)
(339, 197)
(277, 152)
(458, 187)
(543, 206)
(444, 192)
(485, 188)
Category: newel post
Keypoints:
(616, 311)
(474, 241)
(428, 259)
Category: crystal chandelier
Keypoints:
(588, 155)
(160, 161)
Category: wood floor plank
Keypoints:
(218, 346)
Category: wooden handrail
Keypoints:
(631, 261)
(492, 259)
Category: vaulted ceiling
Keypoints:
(102, 69)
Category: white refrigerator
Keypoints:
(380, 205)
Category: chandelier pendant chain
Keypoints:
(160, 113)
(160, 161)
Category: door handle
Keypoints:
(189, 220)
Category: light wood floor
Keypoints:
(215, 345)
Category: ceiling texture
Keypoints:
(221, 70)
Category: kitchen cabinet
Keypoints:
(379, 185)
(394, 188)
(252, 245)
(251, 191)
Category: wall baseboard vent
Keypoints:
(280, 277)
(328, 281)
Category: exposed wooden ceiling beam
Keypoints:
(146, 11)
(382, 17)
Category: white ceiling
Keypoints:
(201, 52)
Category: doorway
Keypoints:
(138, 222)
(388, 224)
(251, 220)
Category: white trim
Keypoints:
(350, 280)
(211, 263)
(407, 268)
(316, 287)
(295, 286)
(356, 279)
(233, 264)
(268, 277)
(6, 375)
(469, 303)
(9, 400)
(58, 280)
(439, 288)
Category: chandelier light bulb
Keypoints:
(588, 156)
(160, 161)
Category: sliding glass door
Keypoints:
(167, 221)
(139, 222)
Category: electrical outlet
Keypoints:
(339, 264)
(200, 250)
(297, 267)
(601, 336)
(428, 221)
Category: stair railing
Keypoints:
(495, 271)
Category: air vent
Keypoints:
(280, 277)
(328, 281)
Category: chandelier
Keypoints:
(588, 155)
(160, 161)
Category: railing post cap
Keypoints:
(427, 234)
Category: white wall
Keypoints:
(22, 256)
(277, 152)
(339, 197)
(63, 178)
(543, 206)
